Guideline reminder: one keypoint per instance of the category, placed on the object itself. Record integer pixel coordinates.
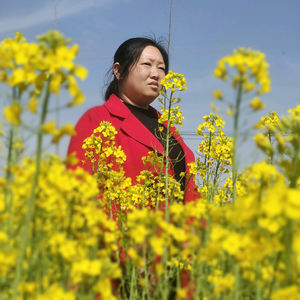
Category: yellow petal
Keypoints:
(292, 207)
(32, 105)
(214, 108)
(68, 129)
(55, 83)
(229, 112)
(218, 94)
(56, 137)
(81, 72)
(19, 37)
(71, 159)
(39, 81)
(257, 104)
(18, 76)
(49, 128)
(12, 114)
(72, 85)
(78, 99)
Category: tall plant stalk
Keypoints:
(235, 138)
(167, 159)
(30, 201)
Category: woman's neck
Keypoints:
(127, 100)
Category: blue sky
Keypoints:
(202, 33)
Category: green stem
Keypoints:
(9, 155)
(178, 283)
(160, 180)
(207, 168)
(294, 171)
(272, 154)
(8, 194)
(144, 193)
(146, 287)
(28, 217)
(216, 172)
(132, 283)
(193, 276)
(99, 159)
(288, 243)
(235, 137)
(258, 288)
(237, 282)
(165, 275)
(167, 160)
(275, 267)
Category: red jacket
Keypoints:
(135, 139)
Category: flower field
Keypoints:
(66, 234)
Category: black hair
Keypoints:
(127, 55)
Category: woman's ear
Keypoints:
(117, 70)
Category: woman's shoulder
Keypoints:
(112, 109)
(94, 114)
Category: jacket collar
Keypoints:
(131, 125)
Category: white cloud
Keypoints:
(18, 22)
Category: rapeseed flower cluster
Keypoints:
(172, 115)
(249, 64)
(174, 81)
(295, 111)
(215, 157)
(55, 243)
(117, 190)
(265, 140)
(27, 67)
(250, 74)
(66, 230)
(69, 234)
(269, 123)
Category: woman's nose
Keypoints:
(154, 73)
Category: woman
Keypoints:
(139, 65)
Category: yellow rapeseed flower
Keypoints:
(71, 159)
(249, 64)
(288, 293)
(263, 143)
(68, 129)
(292, 204)
(32, 105)
(218, 94)
(12, 114)
(49, 128)
(80, 72)
(174, 81)
(257, 104)
(249, 87)
(181, 294)
(78, 99)
(229, 112)
(295, 111)
(157, 244)
(214, 108)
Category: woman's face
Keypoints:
(142, 85)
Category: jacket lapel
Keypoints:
(131, 125)
(134, 128)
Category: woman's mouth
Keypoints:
(153, 84)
